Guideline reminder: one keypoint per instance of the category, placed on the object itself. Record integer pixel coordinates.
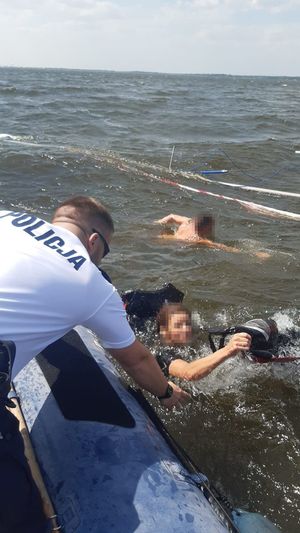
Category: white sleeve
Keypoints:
(110, 323)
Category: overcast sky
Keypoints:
(186, 36)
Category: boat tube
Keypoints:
(106, 463)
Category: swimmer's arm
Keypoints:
(173, 219)
(202, 367)
(231, 249)
(219, 246)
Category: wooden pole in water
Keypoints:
(34, 467)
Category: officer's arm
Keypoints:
(140, 364)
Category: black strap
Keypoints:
(7, 357)
(262, 354)
(220, 333)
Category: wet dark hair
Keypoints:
(202, 222)
(167, 310)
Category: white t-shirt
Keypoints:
(48, 285)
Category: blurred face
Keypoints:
(179, 330)
(204, 226)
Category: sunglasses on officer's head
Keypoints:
(105, 244)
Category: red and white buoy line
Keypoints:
(239, 186)
(125, 166)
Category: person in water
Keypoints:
(175, 329)
(197, 230)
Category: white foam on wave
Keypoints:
(8, 137)
(26, 140)
(287, 320)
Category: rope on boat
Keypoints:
(34, 466)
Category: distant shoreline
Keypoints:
(157, 73)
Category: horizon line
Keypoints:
(136, 71)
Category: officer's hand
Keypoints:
(178, 398)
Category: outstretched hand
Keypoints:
(179, 398)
